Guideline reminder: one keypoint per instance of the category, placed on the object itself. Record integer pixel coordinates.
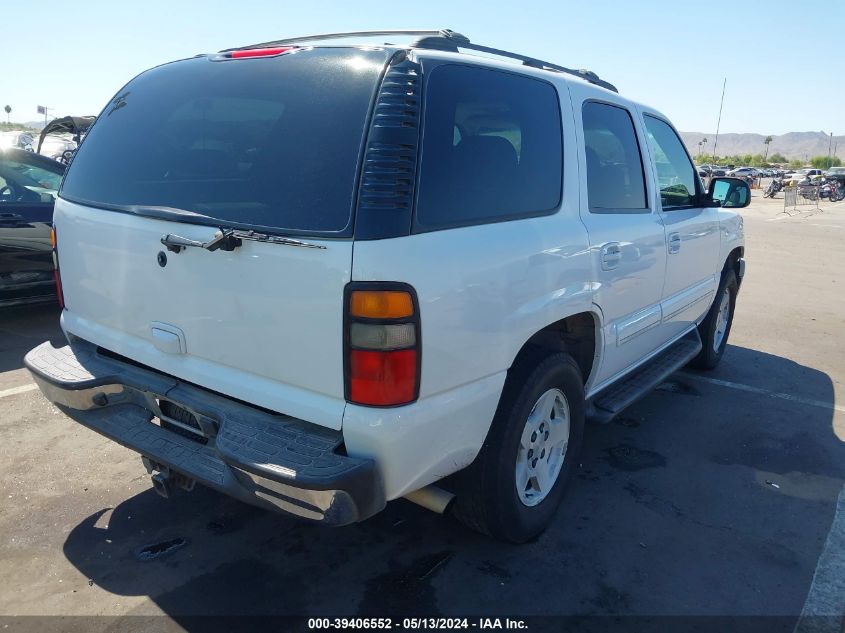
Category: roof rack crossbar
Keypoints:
(441, 39)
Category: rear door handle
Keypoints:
(674, 243)
(611, 255)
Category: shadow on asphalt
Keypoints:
(698, 500)
(24, 327)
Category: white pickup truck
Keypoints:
(320, 277)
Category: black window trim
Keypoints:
(429, 66)
(646, 184)
(699, 189)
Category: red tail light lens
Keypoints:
(260, 52)
(383, 378)
(382, 344)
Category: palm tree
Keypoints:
(766, 142)
(704, 142)
(699, 150)
(8, 110)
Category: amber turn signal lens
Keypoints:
(52, 238)
(381, 304)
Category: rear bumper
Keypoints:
(272, 461)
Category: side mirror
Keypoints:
(729, 193)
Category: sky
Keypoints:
(674, 55)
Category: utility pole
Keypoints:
(719, 122)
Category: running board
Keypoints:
(607, 404)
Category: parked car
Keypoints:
(28, 186)
(743, 172)
(17, 140)
(835, 173)
(512, 275)
(55, 147)
(62, 136)
(793, 178)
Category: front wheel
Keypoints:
(513, 488)
(716, 327)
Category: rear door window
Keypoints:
(492, 148)
(615, 178)
(271, 143)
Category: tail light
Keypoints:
(382, 340)
(56, 275)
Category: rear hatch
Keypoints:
(267, 146)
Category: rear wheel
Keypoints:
(513, 488)
(716, 327)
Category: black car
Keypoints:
(836, 173)
(28, 187)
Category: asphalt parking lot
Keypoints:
(715, 495)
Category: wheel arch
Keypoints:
(578, 334)
(732, 262)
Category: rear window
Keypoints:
(270, 143)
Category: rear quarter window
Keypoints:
(492, 148)
(271, 143)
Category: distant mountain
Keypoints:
(793, 145)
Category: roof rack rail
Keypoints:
(442, 39)
(445, 34)
(586, 75)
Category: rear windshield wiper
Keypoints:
(229, 240)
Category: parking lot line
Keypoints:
(16, 390)
(765, 392)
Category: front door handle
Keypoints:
(611, 255)
(674, 243)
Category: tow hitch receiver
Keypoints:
(166, 481)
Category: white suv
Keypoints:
(321, 277)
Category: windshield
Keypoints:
(270, 142)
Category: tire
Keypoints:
(713, 340)
(487, 497)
